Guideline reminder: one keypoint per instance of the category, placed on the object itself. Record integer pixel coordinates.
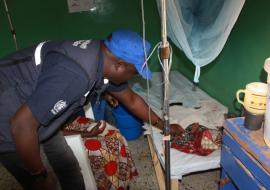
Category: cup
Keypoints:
(253, 121)
(255, 96)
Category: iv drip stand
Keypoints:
(165, 55)
(11, 26)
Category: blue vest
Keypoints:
(18, 78)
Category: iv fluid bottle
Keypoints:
(267, 113)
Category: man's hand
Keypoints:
(96, 130)
(47, 183)
(111, 100)
(176, 130)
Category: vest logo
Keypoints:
(82, 43)
(60, 105)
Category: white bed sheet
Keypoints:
(182, 163)
(197, 106)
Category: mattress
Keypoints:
(190, 105)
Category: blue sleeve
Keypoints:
(61, 83)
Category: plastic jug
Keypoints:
(267, 112)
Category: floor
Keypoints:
(146, 179)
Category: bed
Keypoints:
(189, 105)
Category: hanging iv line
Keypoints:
(13, 33)
(167, 61)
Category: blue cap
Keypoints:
(128, 46)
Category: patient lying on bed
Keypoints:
(108, 152)
(197, 139)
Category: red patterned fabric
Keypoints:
(110, 158)
(197, 139)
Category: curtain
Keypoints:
(200, 28)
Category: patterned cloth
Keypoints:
(197, 139)
(109, 156)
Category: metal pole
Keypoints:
(165, 62)
(13, 33)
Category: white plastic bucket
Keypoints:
(266, 134)
(267, 120)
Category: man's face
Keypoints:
(117, 70)
(121, 72)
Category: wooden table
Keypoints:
(245, 158)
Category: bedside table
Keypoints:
(245, 158)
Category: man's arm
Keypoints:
(137, 106)
(59, 77)
(24, 128)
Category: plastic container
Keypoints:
(99, 109)
(267, 113)
(129, 126)
(253, 121)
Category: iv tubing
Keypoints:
(11, 26)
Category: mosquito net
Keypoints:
(200, 28)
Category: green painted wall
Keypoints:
(239, 63)
(35, 21)
(242, 58)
